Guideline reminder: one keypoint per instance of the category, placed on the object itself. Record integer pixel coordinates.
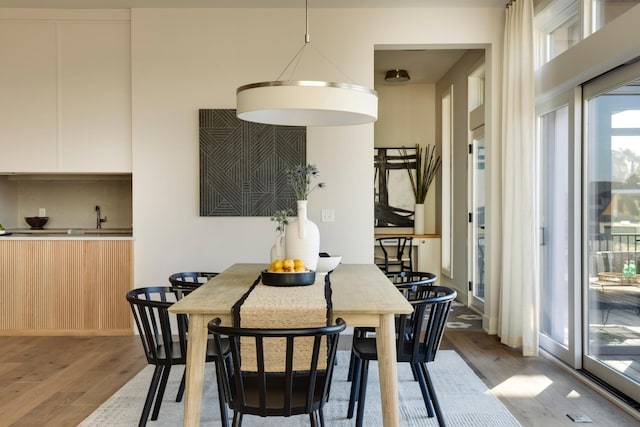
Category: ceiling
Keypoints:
(423, 65)
(127, 4)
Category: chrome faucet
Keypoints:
(99, 220)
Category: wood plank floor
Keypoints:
(58, 381)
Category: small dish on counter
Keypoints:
(36, 222)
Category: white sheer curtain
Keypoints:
(518, 316)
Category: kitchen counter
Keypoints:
(66, 234)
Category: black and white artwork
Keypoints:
(393, 197)
(243, 164)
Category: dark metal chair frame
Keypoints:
(410, 284)
(418, 339)
(191, 279)
(165, 345)
(401, 254)
(283, 394)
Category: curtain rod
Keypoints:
(509, 3)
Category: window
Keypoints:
(558, 25)
(605, 11)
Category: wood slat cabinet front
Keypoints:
(65, 287)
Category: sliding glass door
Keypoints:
(612, 230)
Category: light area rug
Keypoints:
(464, 399)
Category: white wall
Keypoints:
(458, 78)
(187, 59)
(406, 117)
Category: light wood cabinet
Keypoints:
(66, 94)
(65, 287)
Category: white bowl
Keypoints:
(327, 264)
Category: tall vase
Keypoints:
(278, 249)
(302, 238)
(418, 219)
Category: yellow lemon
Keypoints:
(277, 263)
(288, 263)
(298, 264)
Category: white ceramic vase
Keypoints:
(302, 238)
(278, 250)
(418, 219)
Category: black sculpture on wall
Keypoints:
(243, 165)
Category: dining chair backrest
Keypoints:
(415, 277)
(424, 327)
(163, 339)
(414, 285)
(395, 251)
(284, 393)
(191, 278)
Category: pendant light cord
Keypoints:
(307, 42)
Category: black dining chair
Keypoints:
(190, 279)
(164, 340)
(396, 251)
(415, 277)
(252, 387)
(418, 339)
(412, 284)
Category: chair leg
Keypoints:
(181, 387)
(321, 414)
(352, 362)
(423, 388)
(355, 385)
(160, 394)
(413, 371)
(364, 373)
(224, 416)
(432, 393)
(313, 419)
(237, 419)
(153, 387)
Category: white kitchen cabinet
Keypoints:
(95, 81)
(428, 254)
(28, 97)
(66, 93)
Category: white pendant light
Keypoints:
(306, 102)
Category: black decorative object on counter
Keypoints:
(36, 222)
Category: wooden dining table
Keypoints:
(360, 294)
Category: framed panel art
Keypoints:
(243, 165)
(393, 195)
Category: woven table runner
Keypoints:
(272, 307)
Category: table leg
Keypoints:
(388, 370)
(196, 352)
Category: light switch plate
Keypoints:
(42, 212)
(328, 215)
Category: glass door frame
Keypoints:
(474, 301)
(571, 353)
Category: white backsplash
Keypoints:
(71, 203)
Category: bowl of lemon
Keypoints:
(288, 272)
